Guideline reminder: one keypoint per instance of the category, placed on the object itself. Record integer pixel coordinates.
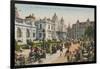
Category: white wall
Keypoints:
(5, 33)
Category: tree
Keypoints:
(17, 47)
(89, 32)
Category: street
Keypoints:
(53, 58)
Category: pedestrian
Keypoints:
(61, 50)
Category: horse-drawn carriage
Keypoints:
(36, 55)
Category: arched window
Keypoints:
(19, 32)
(27, 33)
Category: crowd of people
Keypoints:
(88, 50)
(19, 58)
(36, 54)
(85, 52)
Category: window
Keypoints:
(33, 34)
(19, 20)
(40, 26)
(27, 33)
(52, 28)
(40, 35)
(19, 32)
(28, 22)
(48, 26)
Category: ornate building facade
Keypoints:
(54, 28)
(30, 28)
(78, 29)
(25, 29)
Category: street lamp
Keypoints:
(43, 38)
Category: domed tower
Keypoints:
(77, 21)
(88, 20)
(69, 28)
(69, 32)
(61, 24)
(62, 20)
(54, 18)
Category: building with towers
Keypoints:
(31, 29)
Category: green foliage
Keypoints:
(89, 32)
(25, 46)
(49, 41)
(17, 47)
(54, 40)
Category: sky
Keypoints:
(70, 14)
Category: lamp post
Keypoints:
(43, 38)
(44, 51)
